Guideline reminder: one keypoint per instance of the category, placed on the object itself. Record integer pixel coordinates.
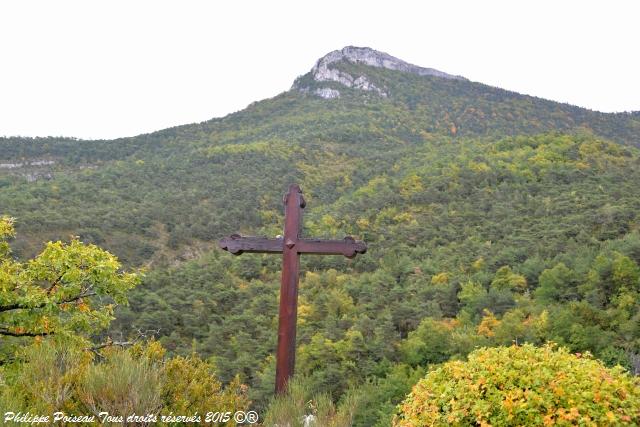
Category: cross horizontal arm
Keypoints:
(237, 244)
(348, 247)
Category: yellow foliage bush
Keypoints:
(523, 385)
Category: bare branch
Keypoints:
(111, 344)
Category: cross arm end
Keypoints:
(237, 244)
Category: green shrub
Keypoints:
(300, 406)
(138, 380)
(190, 386)
(123, 385)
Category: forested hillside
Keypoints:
(156, 197)
(491, 218)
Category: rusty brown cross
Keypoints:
(291, 245)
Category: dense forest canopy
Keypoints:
(492, 218)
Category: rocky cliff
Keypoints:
(325, 71)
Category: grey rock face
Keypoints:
(327, 93)
(32, 170)
(26, 164)
(323, 71)
(374, 58)
(33, 177)
(10, 165)
(324, 92)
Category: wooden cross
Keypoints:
(291, 245)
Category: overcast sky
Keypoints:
(105, 69)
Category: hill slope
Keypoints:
(153, 197)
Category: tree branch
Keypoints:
(7, 332)
(77, 297)
(19, 306)
(53, 285)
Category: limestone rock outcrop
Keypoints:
(324, 71)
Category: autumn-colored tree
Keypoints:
(69, 289)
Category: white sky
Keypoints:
(105, 69)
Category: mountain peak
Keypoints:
(325, 71)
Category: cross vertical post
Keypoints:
(291, 245)
(286, 352)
